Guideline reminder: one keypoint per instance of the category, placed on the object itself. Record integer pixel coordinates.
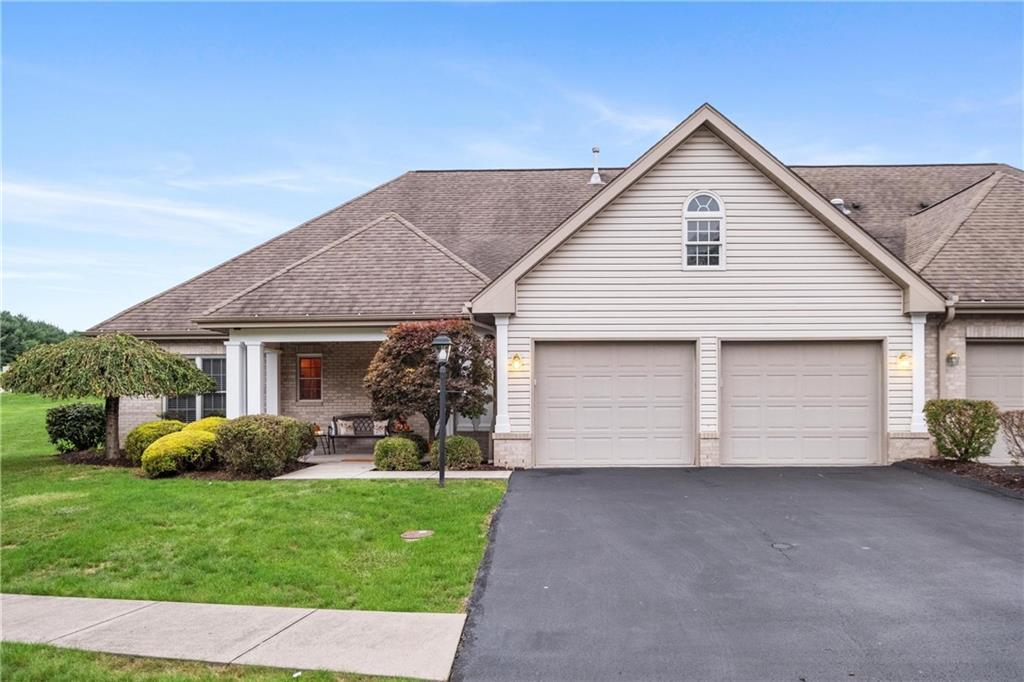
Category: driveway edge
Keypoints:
(962, 481)
(473, 606)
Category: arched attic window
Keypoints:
(704, 232)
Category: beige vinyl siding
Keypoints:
(788, 276)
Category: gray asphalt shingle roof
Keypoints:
(488, 219)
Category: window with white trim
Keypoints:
(310, 377)
(188, 408)
(704, 232)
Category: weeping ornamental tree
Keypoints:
(403, 379)
(109, 366)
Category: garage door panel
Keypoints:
(995, 371)
(801, 403)
(634, 403)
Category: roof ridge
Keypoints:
(323, 249)
(897, 165)
(98, 326)
(440, 247)
(535, 169)
(389, 215)
(940, 244)
(954, 194)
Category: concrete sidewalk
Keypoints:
(419, 645)
(364, 470)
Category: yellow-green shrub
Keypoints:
(144, 435)
(179, 451)
(460, 452)
(210, 424)
(396, 453)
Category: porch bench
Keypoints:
(362, 432)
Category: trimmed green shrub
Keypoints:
(210, 424)
(78, 426)
(460, 452)
(396, 453)
(180, 451)
(420, 441)
(963, 429)
(144, 435)
(263, 445)
(1012, 422)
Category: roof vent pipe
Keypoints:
(841, 205)
(595, 177)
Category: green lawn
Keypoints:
(105, 532)
(40, 663)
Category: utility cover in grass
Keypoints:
(413, 535)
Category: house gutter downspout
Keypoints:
(944, 334)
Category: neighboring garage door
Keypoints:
(614, 404)
(995, 371)
(813, 403)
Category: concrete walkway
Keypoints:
(418, 645)
(364, 470)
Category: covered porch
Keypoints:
(316, 375)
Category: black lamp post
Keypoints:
(442, 347)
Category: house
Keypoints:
(705, 305)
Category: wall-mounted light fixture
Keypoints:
(903, 361)
(952, 358)
(517, 362)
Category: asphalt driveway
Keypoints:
(748, 574)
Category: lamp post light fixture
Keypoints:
(442, 348)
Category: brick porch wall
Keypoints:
(344, 365)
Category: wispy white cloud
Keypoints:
(311, 180)
(634, 122)
(826, 152)
(87, 209)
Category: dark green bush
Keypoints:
(396, 453)
(144, 435)
(420, 441)
(460, 452)
(263, 445)
(180, 451)
(78, 426)
(962, 429)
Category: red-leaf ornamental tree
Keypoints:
(403, 380)
(109, 367)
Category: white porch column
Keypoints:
(254, 378)
(501, 420)
(918, 360)
(234, 353)
(273, 364)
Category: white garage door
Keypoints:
(614, 404)
(813, 403)
(995, 371)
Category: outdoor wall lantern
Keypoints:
(952, 358)
(903, 361)
(442, 348)
(517, 362)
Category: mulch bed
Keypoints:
(95, 458)
(1009, 477)
(92, 457)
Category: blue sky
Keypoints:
(143, 144)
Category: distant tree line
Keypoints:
(18, 334)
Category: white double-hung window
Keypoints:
(704, 232)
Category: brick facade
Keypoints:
(944, 381)
(343, 367)
(142, 409)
